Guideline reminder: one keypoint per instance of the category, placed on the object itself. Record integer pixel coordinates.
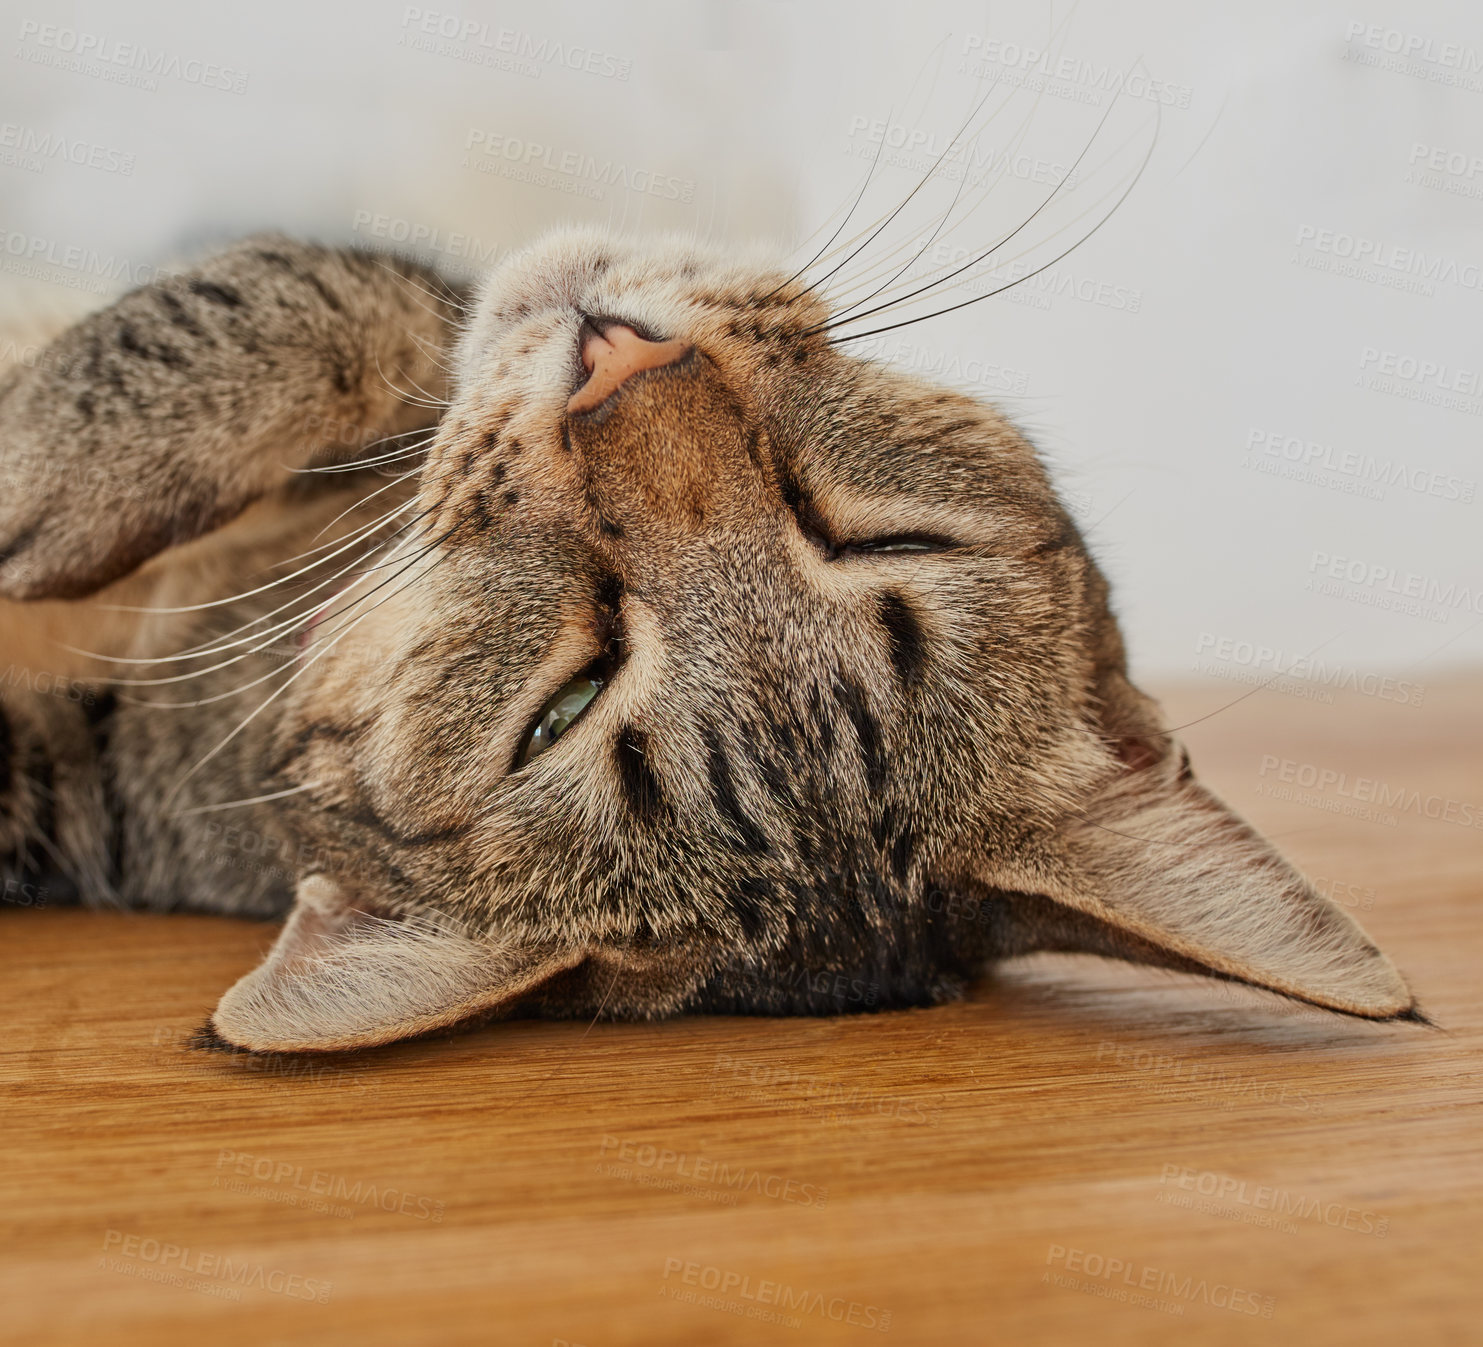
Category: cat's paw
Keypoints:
(164, 415)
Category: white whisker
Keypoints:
(304, 668)
(237, 804)
(251, 593)
(451, 299)
(356, 464)
(427, 400)
(264, 641)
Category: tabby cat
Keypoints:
(606, 642)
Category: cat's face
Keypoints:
(767, 662)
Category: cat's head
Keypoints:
(719, 666)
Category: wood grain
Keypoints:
(1021, 1167)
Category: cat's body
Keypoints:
(856, 720)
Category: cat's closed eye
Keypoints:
(888, 545)
(822, 537)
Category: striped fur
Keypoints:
(826, 773)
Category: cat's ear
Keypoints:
(166, 414)
(341, 977)
(1157, 870)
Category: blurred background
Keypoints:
(1223, 260)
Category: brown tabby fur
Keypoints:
(821, 779)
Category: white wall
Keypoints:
(1213, 306)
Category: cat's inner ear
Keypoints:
(1157, 870)
(341, 977)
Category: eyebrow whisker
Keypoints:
(1051, 196)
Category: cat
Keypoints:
(604, 641)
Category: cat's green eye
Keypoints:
(558, 715)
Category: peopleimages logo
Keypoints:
(1172, 1075)
(1441, 169)
(1343, 892)
(32, 149)
(1416, 379)
(1131, 1277)
(1369, 472)
(317, 1183)
(1433, 374)
(1417, 46)
(1031, 68)
(1367, 791)
(761, 1292)
(1267, 1197)
(788, 1088)
(658, 1164)
(33, 255)
(1415, 264)
(569, 170)
(1389, 580)
(961, 157)
(474, 40)
(172, 1264)
(416, 239)
(130, 63)
(945, 366)
(1019, 280)
(44, 683)
(19, 894)
(1258, 657)
(1454, 163)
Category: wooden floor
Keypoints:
(1078, 1153)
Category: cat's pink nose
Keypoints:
(613, 353)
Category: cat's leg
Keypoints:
(56, 824)
(83, 774)
(149, 424)
(163, 416)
